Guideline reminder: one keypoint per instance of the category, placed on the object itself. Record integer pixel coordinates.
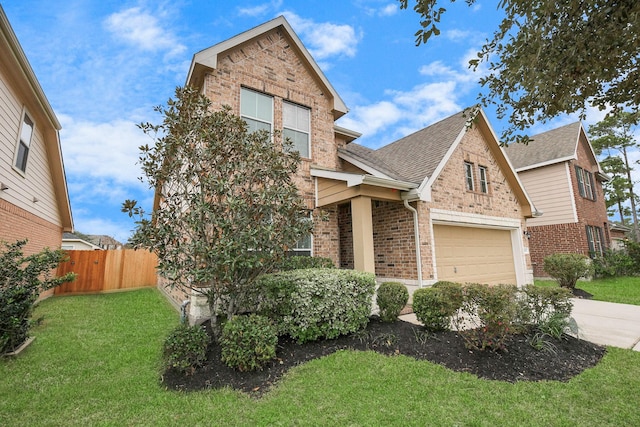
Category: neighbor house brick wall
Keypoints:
(18, 224)
(572, 237)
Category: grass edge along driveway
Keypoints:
(96, 361)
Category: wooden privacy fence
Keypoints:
(99, 271)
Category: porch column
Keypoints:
(362, 223)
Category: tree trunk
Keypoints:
(632, 196)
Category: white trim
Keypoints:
(463, 219)
(574, 209)
(353, 179)
(365, 167)
(547, 163)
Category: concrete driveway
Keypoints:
(608, 323)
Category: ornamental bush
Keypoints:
(248, 342)
(487, 316)
(22, 279)
(614, 264)
(536, 304)
(391, 298)
(303, 262)
(185, 348)
(435, 306)
(566, 269)
(314, 304)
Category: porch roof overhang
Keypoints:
(334, 186)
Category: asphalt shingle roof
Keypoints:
(545, 147)
(416, 156)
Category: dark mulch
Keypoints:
(580, 293)
(570, 356)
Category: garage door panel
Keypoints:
(479, 255)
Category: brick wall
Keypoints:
(18, 224)
(269, 65)
(393, 240)
(345, 236)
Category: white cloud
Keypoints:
(143, 30)
(102, 150)
(325, 40)
(388, 10)
(260, 9)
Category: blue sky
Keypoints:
(104, 65)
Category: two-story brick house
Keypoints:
(442, 203)
(561, 174)
(34, 202)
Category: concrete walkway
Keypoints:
(599, 322)
(608, 323)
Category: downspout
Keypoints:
(183, 311)
(416, 232)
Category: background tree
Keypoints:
(613, 136)
(228, 207)
(553, 56)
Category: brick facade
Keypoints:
(572, 237)
(18, 224)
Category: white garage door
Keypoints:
(474, 255)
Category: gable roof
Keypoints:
(554, 146)
(414, 157)
(419, 157)
(20, 70)
(207, 60)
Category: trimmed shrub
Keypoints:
(317, 303)
(435, 306)
(566, 269)
(613, 264)
(303, 262)
(391, 298)
(21, 281)
(248, 342)
(185, 348)
(537, 304)
(487, 316)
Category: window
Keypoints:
(594, 239)
(484, 181)
(303, 246)
(586, 186)
(296, 125)
(468, 172)
(256, 109)
(26, 133)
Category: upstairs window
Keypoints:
(26, 133)
(484, 179)
(256, 109)
(297, 125)
(586, 186)
(468, 172)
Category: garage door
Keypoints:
(475, 255)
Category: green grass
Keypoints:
(625, 290)
(96, 361)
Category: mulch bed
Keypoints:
(522, 362)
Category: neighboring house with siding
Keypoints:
(561, 174)
(440, 204)
(72, 242)
(34, 202)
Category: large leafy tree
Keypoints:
(228, 207)
(553, 56)
(613, 138)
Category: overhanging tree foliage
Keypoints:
(228, 207)
(614, 136)
(553, 56)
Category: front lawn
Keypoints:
(625, 290)
(96, 361)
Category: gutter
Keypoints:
(416, 232)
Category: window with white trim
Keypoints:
(256, 109)
(484, 179)
(468, 173)
(24, 143)
(296, 122)
(304, 245)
